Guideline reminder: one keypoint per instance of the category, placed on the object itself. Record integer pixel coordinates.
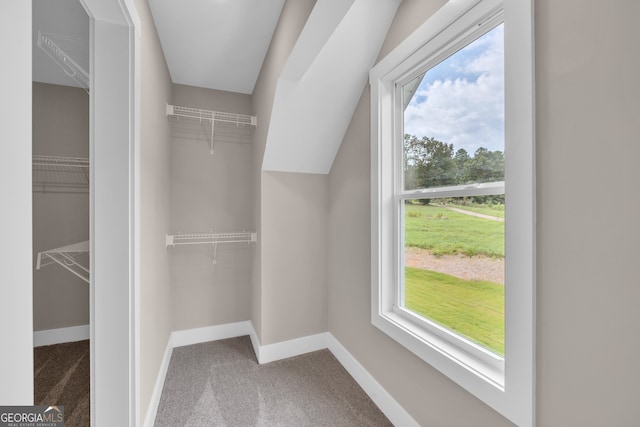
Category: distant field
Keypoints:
(442, 232)
(474, 309)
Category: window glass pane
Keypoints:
(454, 265)
(454, 247)
(454, 118)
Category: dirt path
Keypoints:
(468, 268)
(476, 214)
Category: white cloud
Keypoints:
(464, 106)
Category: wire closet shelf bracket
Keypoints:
(67, 257)
(63, 58)
(200, 115)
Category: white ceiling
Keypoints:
(216, 44)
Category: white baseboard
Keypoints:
(152, 409)
(210, 333)
(387, 404)
(291, 348)
(61, 335)
(282, 350)
(255, 342)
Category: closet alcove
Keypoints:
(60, 167)
(211, 236)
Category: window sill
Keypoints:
(436, 346)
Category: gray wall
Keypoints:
(155, 209)
(588, 146)
(294, 255)
(587, 232)
(292, 19)
(60, 214)
(211, 193)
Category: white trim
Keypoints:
(255, 342)
(381, 397)
(60, 335)
(132, 16)
(16, 308)
(154, 402)
(210, 333)
(114, 340)
(282, 350)
(464, 190)
(92, 299)
(291, 348)
(137, 241)
(521, 210)
(444, 17)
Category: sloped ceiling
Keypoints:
(322, 81)
(216, 44)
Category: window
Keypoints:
(453, 199)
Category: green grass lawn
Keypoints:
(474, 309)
(442, 232)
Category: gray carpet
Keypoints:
(61, 377)
(220, 383)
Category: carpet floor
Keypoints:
(62, 377)
(220, 383)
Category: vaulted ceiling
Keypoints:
(221, 44)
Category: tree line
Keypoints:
(432, 163)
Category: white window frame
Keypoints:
(507, 385)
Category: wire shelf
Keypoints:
(207, 115)
(210, 238)
(211, 118)
(53, 173)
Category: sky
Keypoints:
(460, 101)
